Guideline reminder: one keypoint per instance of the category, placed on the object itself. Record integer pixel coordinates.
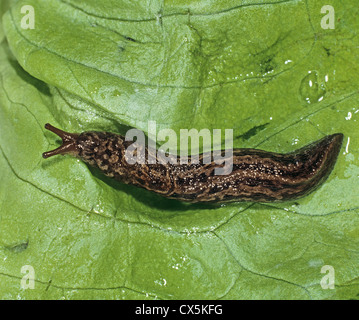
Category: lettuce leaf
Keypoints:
(265, 69)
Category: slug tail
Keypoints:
(68, 142)
(331, 146)
(322, 155)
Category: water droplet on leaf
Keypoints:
(310, 90)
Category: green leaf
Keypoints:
(267, 70)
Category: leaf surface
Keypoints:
(265, 69)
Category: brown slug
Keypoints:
(256, 175)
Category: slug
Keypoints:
(256, 176)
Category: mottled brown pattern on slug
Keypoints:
(256, 176)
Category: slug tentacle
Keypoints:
(69, 141)
(256, 175)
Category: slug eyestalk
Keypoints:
(69, 141)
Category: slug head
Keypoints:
(90, 146)
(69, 142)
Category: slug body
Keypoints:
(256, 175)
